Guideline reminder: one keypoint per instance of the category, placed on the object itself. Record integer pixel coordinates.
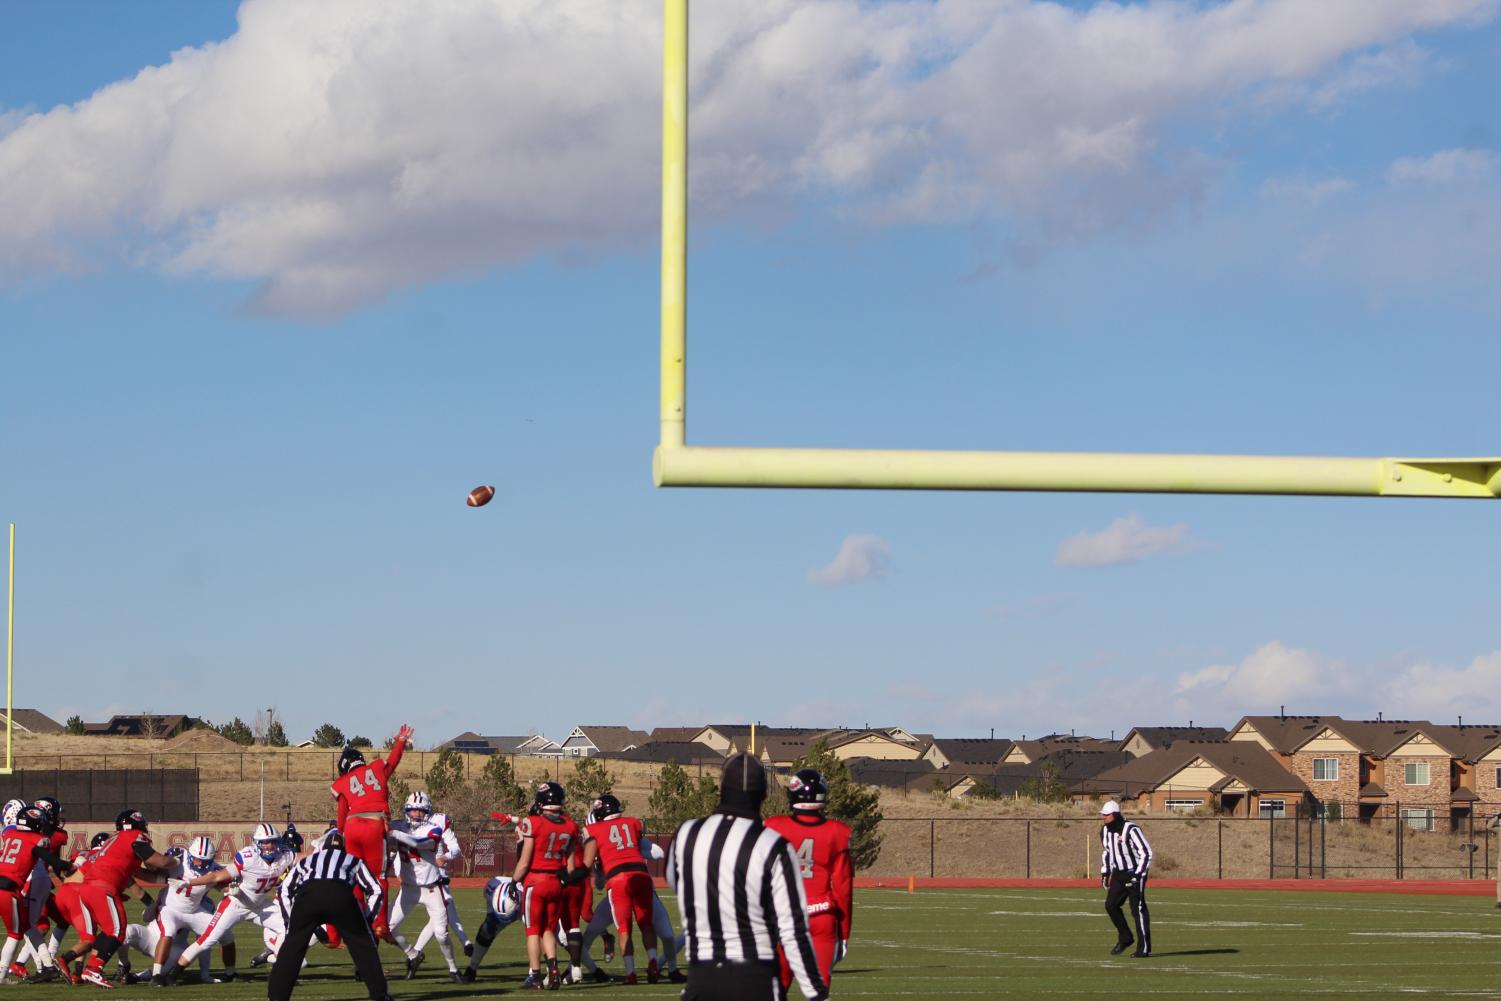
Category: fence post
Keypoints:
(1471, 843)
(932, 847)
(1219, 852)
(1271, 845)
(1323, 846)
(1398, 839)
(1297, 847)
(1029, 848)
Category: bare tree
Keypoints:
(152, 725)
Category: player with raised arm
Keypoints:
(98, 908)
(425, 844)
(545, 840)
(252, 878)
(614, 840)
(822, 847)
(364, 802)
(502, 909)
(24, 844)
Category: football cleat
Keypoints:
(413, 963)
(653, 973)
(600, 976)
(61, 965)
(534, 981)
(261, 958)
(227, 977)
(677, 977)
(1120, 947)
(158, 980)
(456, 977)
(630, 978)
(18, 971)
(554, 981)
(96, 978)
(468, 975)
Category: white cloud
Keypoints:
(861, 557)
(339, 150)
(1306, 681)
(1303, 190)
(1125, 540)
(1443, 167)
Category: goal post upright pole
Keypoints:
(674, 222)
(10, 647)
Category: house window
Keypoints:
(1415, 773)
(1418, 818)
(1326, 769)
(1273, 808)
(1183, 805)
(1498, 778)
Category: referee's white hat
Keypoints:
(1111, 806)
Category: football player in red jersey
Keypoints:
(99, 913)
(23, 846)
(545, 840)
(822, 847)
(362, 794)
(39, 892)
(615, 841)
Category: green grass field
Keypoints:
(1054, 944)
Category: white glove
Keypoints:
(841, 950)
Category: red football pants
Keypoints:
(106, 909)
(541, 903)
(574, 895)
(823, 928)
(630, 898)
(15, 911)
(365, 838)
(69, 905)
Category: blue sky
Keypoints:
(269, 312)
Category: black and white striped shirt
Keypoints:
(331, 863)
(740, 896)
(1126, 851)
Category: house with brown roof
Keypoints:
(160, 726)
(972, 750)
(1424, 772)
(1025, 752)
(1145, 739)
(588, 741)
(675, 733)
(1235, 778)
(679, 752)
(32, 721)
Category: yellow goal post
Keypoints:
(677, 464)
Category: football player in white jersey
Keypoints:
(425, 844)
(254, 875)
(177, 913)
(502, 909)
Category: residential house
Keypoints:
(588, 741)
(1234, 778)
(1144, 739)
(945, 750)
(675, 733)
(1025, 752)
(32, 721)
(161, 726)
(680, 752)
(532, 745)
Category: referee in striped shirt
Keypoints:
(741, 897)
(319, 890)
(1125, 858)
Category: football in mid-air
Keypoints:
(480, 496)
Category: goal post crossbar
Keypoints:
(676, 464)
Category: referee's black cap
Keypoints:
(744, 782)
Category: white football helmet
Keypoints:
(267, 840)
(505, 901)
(13, 810)
(418, 802)
(201, 853)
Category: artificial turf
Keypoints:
(1042, 943)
